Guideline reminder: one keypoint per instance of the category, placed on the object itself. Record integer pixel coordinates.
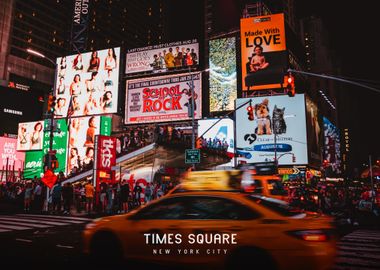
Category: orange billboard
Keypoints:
(263, 51)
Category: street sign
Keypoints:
(192, 156)
(49, 178)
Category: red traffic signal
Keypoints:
(289, 85)
(250, 113)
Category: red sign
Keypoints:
(49, 178)
(106, 158)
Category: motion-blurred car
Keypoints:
(207, 222)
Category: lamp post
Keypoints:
(38, 54)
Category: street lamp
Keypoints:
(38, 54)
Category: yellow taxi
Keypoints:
(207, 221)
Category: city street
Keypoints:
(56, 240)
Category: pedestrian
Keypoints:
(67, 195)
(124, 196)
(57, 197)
(28, 196)
(148, 193)
(37, 197)
(89, 191)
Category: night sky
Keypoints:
(352, 30)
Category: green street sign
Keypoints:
(192, 156)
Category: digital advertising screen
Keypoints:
(223, 79)
(30, 136)
(217, 130)
(162, 99)
(9, 156)
(332, 146)
(276, 128)
(314, 132)
(87, 83)
(82, 132)
(163, 57)
(263, 51)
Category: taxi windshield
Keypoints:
(278, 206)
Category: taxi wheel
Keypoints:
(105, 248)
(260, 259)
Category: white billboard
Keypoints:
(89, 82)
(281, 116)
(163, 57)
(30, 136)
(162, 99)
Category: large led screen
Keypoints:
(163, 58)
(276, 129)
(314, 132)
(9, 156)
(87, 83)
(263, 51)
(332, 145)
(162, 99)
(217, 132)
(223, 84)
(82, 131)
(30, 136)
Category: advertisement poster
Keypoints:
(162, 99)
(60, 137)
(332, 147)
(9, 154)
(105, 158)
(276, 130)
(82, 132)
(223, 79)
(314, 132)
(87, 83)
(215, 132)
(163, 57)
(263, 51)
(30, 136)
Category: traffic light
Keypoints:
(51, 103)
(293, 158)
(250, 113)
(289, 85)
(325, 163)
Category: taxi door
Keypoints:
(214, 226)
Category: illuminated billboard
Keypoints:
(163, 57)
(331, 147)
(263, 51)
(9, 156)
(213, 132)
(276, 129)
(162, 99)
(314, 132)
(30, 136)
(87, 84)
(223, 84)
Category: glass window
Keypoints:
(166, 209)
(217, 208)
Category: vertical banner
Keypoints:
(60, 137)
(332, 148)
(223, 83)
(105, 153)
(81, 17)
(263, 51)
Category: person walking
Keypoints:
(57, 197)
(89, 191)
